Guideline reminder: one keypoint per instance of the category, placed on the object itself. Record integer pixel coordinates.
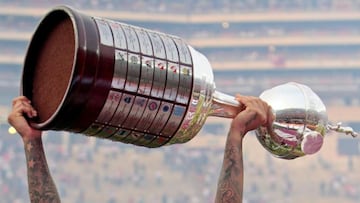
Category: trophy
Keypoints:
(111, 80)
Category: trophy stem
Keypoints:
(224, 105)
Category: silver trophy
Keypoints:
(116, 81)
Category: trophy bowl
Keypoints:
(299, 113)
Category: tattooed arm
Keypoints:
(253, 114)
(40, 183)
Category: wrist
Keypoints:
(31, 135)
(236, 135)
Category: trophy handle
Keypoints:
(224, 105)
(342, 129)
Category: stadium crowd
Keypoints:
(200, 6)
(116, 172)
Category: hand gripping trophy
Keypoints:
(111, 80)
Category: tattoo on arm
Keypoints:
(230, 185)
(40, 183)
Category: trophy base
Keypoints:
(67, 73)
(53, 69)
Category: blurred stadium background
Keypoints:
(252, 46)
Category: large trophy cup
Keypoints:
(111, 80)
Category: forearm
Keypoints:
(40, 183)
(230, 184)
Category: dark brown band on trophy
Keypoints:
(83, 75)
(103, 77)
(50, 72)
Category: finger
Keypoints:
(23, 107)
(268, 114)
(18, 104)
(261, 109)
(253, 102)
(19, 99)
(271, 116)
(245, 100)
(30, 112)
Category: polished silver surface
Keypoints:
(148, 116)
(185, 85)
(163, 90)
(172, 81)
(170, 48)
(145, 43)
(105, 33)
(184, 52)
(120, 70)
(161, 117)
(110, 106)
(298, 110)
(132, 41)
(147, 73)
(133, 72)
(159, 79)
(200, 102)
(343, 129)
(301, 122)
(119, 35)
(174, 121)
(123, 110)
(136, 112)
(157, 45)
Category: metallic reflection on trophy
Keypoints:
(111, 80)
(301, 122)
